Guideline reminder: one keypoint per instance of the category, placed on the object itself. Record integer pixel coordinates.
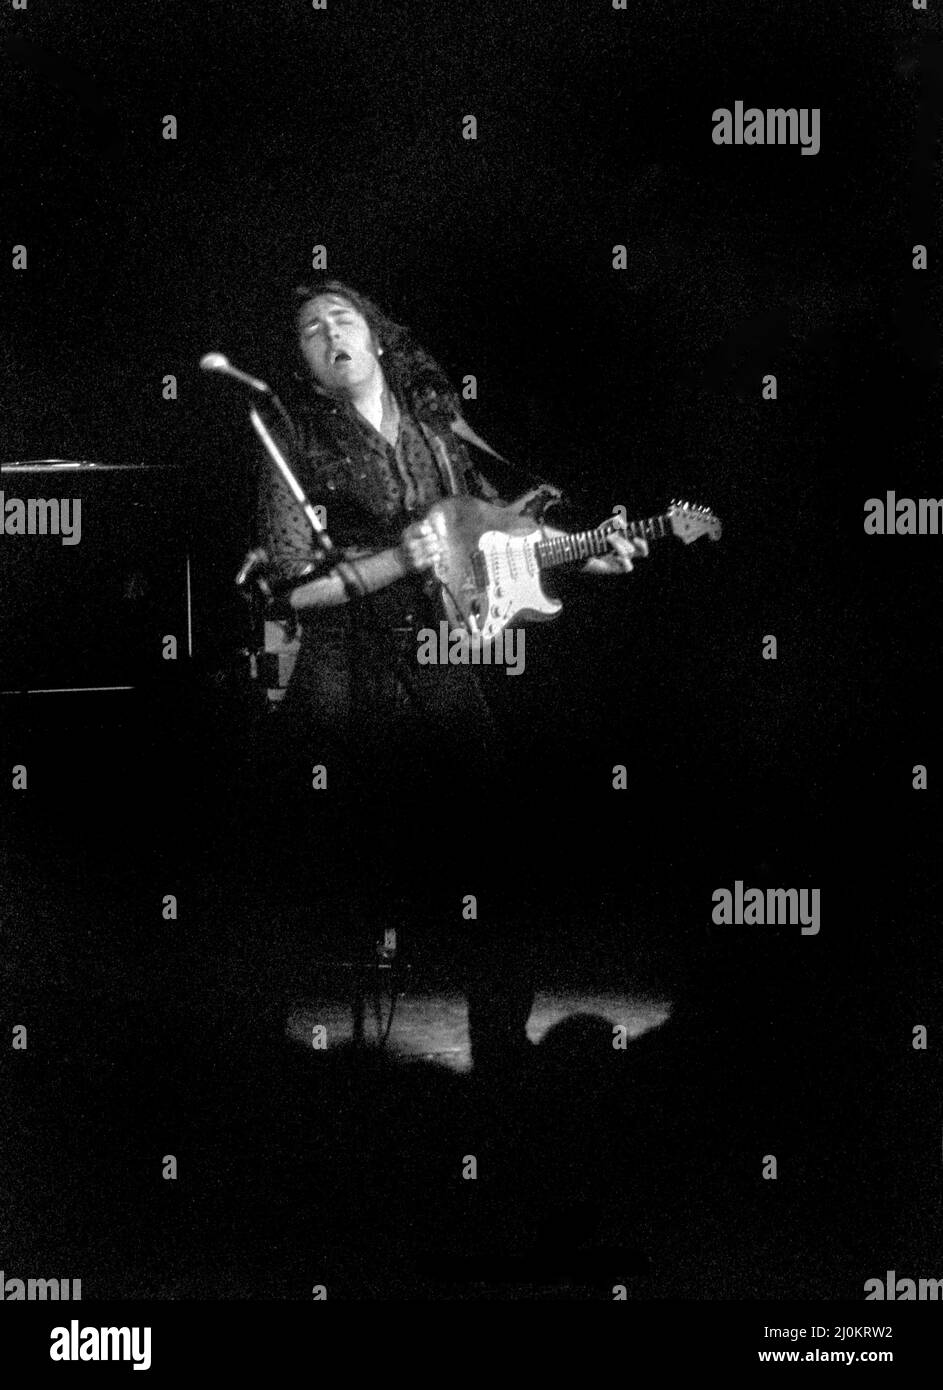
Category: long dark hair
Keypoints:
(414, 377)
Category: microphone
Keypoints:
(216, 362)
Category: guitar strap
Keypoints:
(463, 428)
(540, 495)
(441, 455)
(535, 501)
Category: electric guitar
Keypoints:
(492, 558)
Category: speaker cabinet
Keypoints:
(96, 614)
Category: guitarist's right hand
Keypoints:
(420, 547)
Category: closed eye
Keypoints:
(315, 324)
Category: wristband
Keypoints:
(349, 576)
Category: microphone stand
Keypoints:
(346, 569)
(257, 560)
(281, 463)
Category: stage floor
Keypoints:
(431, 1025)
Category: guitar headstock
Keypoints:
(690, 522)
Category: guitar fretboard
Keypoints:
(582, 545)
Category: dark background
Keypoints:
(594, 128)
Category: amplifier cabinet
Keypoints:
(95, 613)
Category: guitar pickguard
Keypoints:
(488, 571)
(512, 583)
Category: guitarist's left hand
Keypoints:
(624, 551)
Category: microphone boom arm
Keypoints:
(281, 463)
(347, 570)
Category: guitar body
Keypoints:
(492, 558)
(489, 574)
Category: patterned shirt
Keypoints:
(370, 490)
(356, 674)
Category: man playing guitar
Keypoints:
(379, 439)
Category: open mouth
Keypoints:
(341, 356)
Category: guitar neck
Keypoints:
(582, 545)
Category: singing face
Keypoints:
(338, 345)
